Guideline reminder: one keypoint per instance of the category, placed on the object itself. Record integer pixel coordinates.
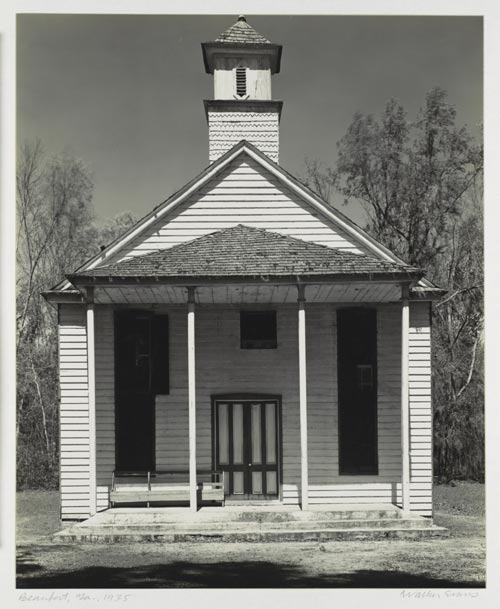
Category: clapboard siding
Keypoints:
(243, 193)
(222, 367)
(74, 413)
(420, 408)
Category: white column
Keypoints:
(91, 401)
(405, 414)
(193, 502)
(304, 481)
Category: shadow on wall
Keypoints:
(247, 574)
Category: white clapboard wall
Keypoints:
(74, 413)
(223, 368)
(243, 193)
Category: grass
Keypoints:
(464, 498)
(457, 561)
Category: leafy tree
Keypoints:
(419, 183)
(458, 334)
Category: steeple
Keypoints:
(242, 62)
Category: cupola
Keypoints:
(242, 62)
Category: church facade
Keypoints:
(245, 343)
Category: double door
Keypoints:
(246, 447)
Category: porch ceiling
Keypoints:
(249, 294)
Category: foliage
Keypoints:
(458, 363)
(419, 183)
(56, 232)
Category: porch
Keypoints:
(228, 386)
(277, 523)
(284, 401)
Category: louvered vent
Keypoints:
(241, 81)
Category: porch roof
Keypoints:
(247, 252)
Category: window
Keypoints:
(357, 391)
(141, 352)
(258, 330)
(241, 81)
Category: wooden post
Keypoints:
(405, 414)
(193, 502)
(91, 401)
(304, 478)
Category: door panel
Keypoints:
(134, 400)
(246, 447)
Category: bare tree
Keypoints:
(54, 233)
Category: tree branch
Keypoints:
(471, 368)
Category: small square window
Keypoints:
(258, 330)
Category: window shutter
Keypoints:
(357, 391)
(161, 369)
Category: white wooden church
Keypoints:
(245, 343)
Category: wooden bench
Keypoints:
(164, 487)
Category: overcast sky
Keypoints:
(124, 92)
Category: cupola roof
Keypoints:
(242, 33)
(242, 38)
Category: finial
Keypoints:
(242, 18)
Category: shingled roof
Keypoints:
(242, 33)
(244, 251)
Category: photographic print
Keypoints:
(250, 321)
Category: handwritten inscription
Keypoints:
(71, 597)
(423, 594)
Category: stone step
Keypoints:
(252, 526)
(229, 535)
(143, 517)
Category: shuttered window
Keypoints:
(357, 390)
(160, 369)
(141, 352)
(241, 81)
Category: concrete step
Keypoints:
(230, 535)
(123, 516)
(254, 526)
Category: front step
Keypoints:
(162, 535)
(255, 526)
(152, 516)
(249, 524)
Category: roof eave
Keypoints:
(63, 297)
(424, 293)
(210, 49)
(407, 277)
(245, 105)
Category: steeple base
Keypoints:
(230, 121)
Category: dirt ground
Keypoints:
(457, 561)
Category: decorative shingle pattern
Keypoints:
(244, 251)
(242, 33)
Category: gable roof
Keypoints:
(244, 251)
(243, 147)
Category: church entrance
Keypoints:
(246, 441)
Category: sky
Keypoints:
(125, 92)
